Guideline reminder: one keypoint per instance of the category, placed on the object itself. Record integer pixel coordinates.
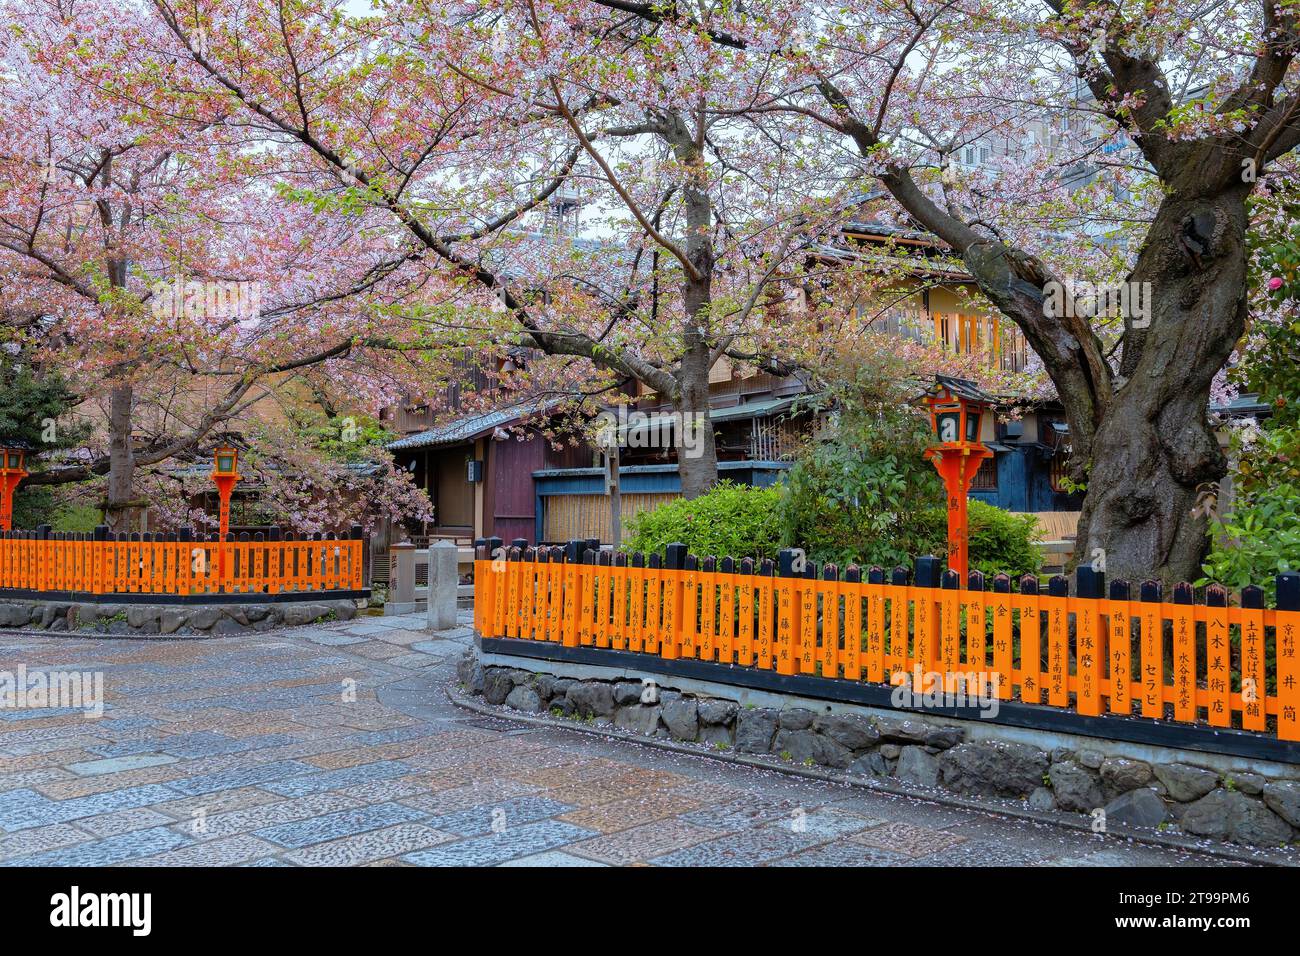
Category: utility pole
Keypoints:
(615, 498)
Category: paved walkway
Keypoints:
(336, 745)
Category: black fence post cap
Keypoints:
(1288, 591)
(928, 571)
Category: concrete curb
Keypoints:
(1056, 818)
(91, 635)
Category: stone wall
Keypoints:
(1236, 806)
(169, 620)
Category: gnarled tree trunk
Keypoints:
(1154, 450)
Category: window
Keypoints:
(1060, 470)
(986, 478)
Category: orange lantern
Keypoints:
(957, 410)
(12, 458)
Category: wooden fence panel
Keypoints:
(1119, 622)
(829, 590)
(763, 597)
(745, 620)
(1151, 659)
(726, 581)
(1058, 642)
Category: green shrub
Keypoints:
(1002, 542)
(1257, 534)
(865, 492)
(729, 520)
(1258, 539)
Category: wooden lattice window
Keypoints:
(1060, 470)
(986, 478)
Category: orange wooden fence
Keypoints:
(41, 562)
(1222, 663)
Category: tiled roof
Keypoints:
(470, 426)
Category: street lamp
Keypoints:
(225, 473)
(12, 457)
(957, 409)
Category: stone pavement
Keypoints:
(336, 745)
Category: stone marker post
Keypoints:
(401, 579)
(443, 582)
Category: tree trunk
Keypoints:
(119, 508)
(1154, 449)
(697, 451)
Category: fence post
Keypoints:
(745, 613)
(1288, 667)
(766, 570)
(1089, 649)
(670, 639)
(1218, 656)
(949, 629)
(1003, 651)
(1253, 663)
(1184, 628)
(555, 602)
(443, 583)
(1151, 594)
(618, 602)
(102, 557)
(636, 587)
(830, 618)
(402, 578)
(900, 624)
(875, 605)
(787, 614)
(604, 591)
(976, 626)
(1120, 649)
(1058, 641)
(688, 600)
(726, 609)
(852, 657)
(708, 607)
(926, 652)
(805, 646)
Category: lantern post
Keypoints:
(12, 458)
(957, 409)
(225, 474)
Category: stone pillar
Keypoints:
(444, 579)
(401, 579)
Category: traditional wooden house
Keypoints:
(494, 474)
(477, 471)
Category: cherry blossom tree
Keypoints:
(456, 122)
(150, 259)
(1182, 108)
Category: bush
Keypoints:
(729, 520)
(861, 494)
(1257, 540)
(1002, 542)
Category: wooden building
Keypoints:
(477, 470)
